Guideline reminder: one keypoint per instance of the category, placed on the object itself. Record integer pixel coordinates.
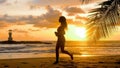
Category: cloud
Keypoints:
(4, 24)
(29, 19)
(7, 18)
(19, 19)
(74, 10)
(81, 18)
(7, 21)
(76, 22)
(52, 15)
(36, 4)
(8, 2)
(34, 7)
(55, 2)
(19, 31)
(2, 1)
(34, 30)
(47, 20)
(50, 19)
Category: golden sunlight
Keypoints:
(76, 33)
(80, 32)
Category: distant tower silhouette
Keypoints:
(10, 35)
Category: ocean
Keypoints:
(79, 49)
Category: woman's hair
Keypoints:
(63, 22)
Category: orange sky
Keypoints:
(38, 19)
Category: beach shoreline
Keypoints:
(65, 62)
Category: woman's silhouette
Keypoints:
(61, 39)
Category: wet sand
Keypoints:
(65, 62)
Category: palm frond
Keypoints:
(103, 20)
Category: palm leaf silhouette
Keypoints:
(103, 20)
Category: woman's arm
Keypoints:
(56, 33)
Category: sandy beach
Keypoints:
(104, 55)
(65, 62)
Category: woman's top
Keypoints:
(60, 31)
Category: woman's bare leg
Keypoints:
(57, 54)
(66, 52)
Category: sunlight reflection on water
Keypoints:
(44, 50)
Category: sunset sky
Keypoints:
(37, 20)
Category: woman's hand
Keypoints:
(56, 33)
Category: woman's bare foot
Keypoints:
(56, 62)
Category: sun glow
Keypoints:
(76, 33)
(80, 32)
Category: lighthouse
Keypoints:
(10, 36)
